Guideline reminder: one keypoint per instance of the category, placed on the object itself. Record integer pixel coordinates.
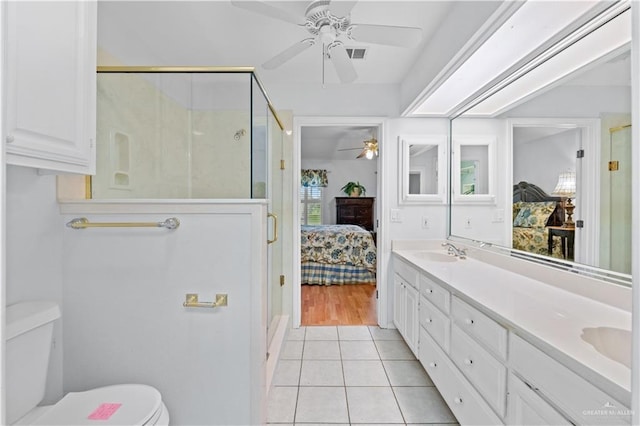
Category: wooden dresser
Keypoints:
(355, 211)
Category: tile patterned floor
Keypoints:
(352, 375)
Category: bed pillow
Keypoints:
(516, 209)
(534, 215)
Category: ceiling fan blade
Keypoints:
(362, 154)
(341, 8)
(265, 9)
(386, 34)
(288, 53)
(347, 149)
(342, 63)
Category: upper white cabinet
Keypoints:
(51, 84)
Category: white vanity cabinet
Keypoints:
(50, 84)
(526, 407)
(573, 395)
(405, 303)
(485, 371)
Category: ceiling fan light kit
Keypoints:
(330, 23)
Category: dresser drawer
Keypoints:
(435, 294)
(435, 322)
(574, 395)
(480, 326)
(463, 400)
(482, 369)
(406, 271)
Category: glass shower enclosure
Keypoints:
(178, 133)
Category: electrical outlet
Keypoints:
(425, 222)
(467, 223)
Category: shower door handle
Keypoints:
(275, 228)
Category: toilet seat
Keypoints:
(129, 404)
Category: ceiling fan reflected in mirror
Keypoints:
(369, 150)
(329, 23)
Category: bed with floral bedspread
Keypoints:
(337, 254)
(533, 212)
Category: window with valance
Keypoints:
(314, 178)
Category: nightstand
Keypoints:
(567, 236)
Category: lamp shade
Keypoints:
(566, 185)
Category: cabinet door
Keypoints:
(527, 408)
(411, 318)
(398, 303)
(51, 85)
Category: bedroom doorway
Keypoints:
(338, 235)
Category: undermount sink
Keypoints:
(614, 343)
(435, 256)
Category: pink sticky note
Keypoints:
(104, 411)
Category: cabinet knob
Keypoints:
(10, 138)
(468, 361)
(429, 291)
(457, 400)
(468, 321)
(429, 320)
(433, 365)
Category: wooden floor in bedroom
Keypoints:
(349, 304)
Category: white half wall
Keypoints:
(125, 322)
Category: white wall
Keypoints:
(556, 152)
(339, 173)
(484, 218)
(410, 225)
(124, 319)
(576, 101)
(347, 100)
(34, 253)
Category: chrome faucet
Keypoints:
(455, 251)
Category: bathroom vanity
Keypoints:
(506, 347)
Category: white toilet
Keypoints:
(29, 329)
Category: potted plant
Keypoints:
(354, 189)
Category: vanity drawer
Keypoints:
(463, 400)
(435, 322)
(580, 400)
(480, 326)
(481, 368)
(435, 294)
(406, 271)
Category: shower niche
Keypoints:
(182, 133)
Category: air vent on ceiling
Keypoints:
(356, 52)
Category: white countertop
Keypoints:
(549, 317)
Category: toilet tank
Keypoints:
(29, 329)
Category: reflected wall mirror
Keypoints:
(423, 162)
(562, 159)
(473, 169)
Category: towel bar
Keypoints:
(83, 222)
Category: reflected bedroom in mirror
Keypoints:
(562, 158)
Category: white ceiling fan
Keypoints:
(369, 150)
(329, 23)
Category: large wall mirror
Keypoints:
(562, 161)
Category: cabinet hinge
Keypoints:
(614, 165)
(376, 294)
(281, 164)
(580, 153)
(579, 223)
(281, 280)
